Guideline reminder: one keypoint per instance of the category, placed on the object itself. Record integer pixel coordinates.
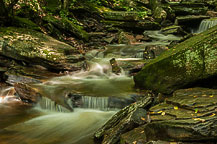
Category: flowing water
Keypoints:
(74, 106)
(206, 24)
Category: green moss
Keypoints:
(25, 23)
(66, 26)
(183, 64)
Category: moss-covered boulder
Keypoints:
(36, 48)
(63, 26)
(189, 115)
(185, 64)
(25, 23)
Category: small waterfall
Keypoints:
(100, 103)
(7, 95)
(105, 103)
(47, 104)
(206, 24)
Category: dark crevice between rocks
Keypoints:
(210, 82)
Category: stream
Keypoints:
(94, 95)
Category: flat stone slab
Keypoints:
(189, 115)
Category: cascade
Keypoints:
(47, 104)
(101, 103)
(206, 24)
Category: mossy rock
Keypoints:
(189, 19)
(34, 47)
(25, 23)
(188, 8)
(124, 15)
(65, 26)
(189, 115)
(187, 63)
(139, 26)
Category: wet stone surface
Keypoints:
(189, 115)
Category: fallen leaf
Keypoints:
(199, 119)
(211, 96)
(212, 115)
(134, 142)
(160, 112)
(142, 118)
(175, 107)
(163, 113)
(142, 131)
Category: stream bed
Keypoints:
(74, 106)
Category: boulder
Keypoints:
(58, 27)
(188, 116)
(189, 19)
(26, 93)
(37, 48)
(192, 62)
(115, 68)
(123, 121)
(25, 23)
(174, 29)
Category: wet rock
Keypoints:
(189, 115)
(26, 93)
(174, 29)
(185, 20)
(211, 13)
(35, 48)
(12, 78)
(126, 38)
(115, 68)
(188, 8)
(189, 63)
(153, 51)
(123, 121)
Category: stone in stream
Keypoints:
(27, 93)
(188, 116)
(192, 62)
(115, 68)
